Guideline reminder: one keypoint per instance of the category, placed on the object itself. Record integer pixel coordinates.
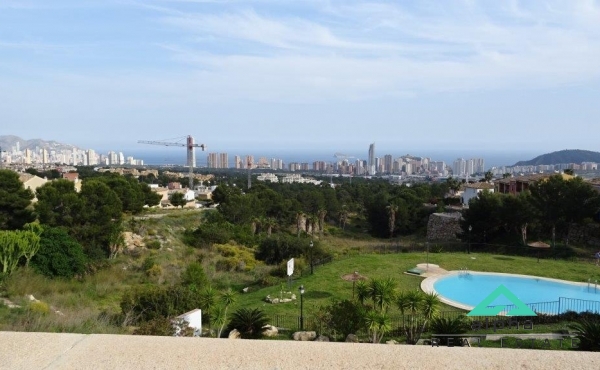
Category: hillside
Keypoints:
(562, 156)
(9, 141)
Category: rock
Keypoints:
(275, 300)
(32, 298)
(322, 338)
(391, 342)
(270, 331)
(235, 334)
(285, 300)
(304, 336)
(351, 338)
(245, 290)
(293, 297)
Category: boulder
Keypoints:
(270, 331)
(305, 336)
(322, 338)
(245, 290)
(234, 334)
(351, 338)
(391, 342)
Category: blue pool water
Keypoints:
(472, 288)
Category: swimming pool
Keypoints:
(467, 290)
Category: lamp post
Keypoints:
(301, 308)
(311, 256)
(469, 245)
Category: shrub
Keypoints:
(59, 254)
(588, 332)
(248, 322)
(447, 325)
(149, 302)
(154, 271)
(159, 326)
(194, 276)
(153, 244)
(39, 307)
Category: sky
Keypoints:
(330, 76)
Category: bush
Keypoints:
(446, 325)
(588, 332)
(153, 244)
(248, 322)
(160, 326)
(154, 271)
(150, 302)
(60, 255)
(39, 307)
(194, 276)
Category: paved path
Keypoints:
(77, 351)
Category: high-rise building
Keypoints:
(459, 167)
(238, 162)
(249, 162)
(44, 156)
(223, 160)
(213, 160)
(371, 160)
(387, 163)
(91, 157)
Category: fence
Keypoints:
(547, 312)
(559, 307)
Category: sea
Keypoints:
(177, 156)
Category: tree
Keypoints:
(14, 202)
(177, 199)
(60, 255)
(483, 215)
(416, 303)
(151, 198)
(488, 176)
(100, 220)
(321, 214)
(391, 211)
(58, 204)
(128, 190)
(194, 276)
(381, 294)
(228, 298)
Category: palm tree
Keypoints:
(228, 298)
(382, 293)
(430, 307)
(299, 222)
(343, 217)
(391, 211)
(254, 224)
(269, 223)
(249, 323)
(410, 302)
(321, 214)
(314, 221)
(378, 324)
(208, 301)
(362, 291)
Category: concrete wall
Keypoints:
(79, 351)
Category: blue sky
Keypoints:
(303, 75)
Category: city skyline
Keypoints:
(297, 75)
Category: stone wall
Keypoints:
(443, 226)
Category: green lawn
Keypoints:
(326, 283)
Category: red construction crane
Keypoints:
(191, 157)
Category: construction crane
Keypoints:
(191, 156)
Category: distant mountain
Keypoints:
(562, 156)
(9, 141)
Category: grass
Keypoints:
(326, 283)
